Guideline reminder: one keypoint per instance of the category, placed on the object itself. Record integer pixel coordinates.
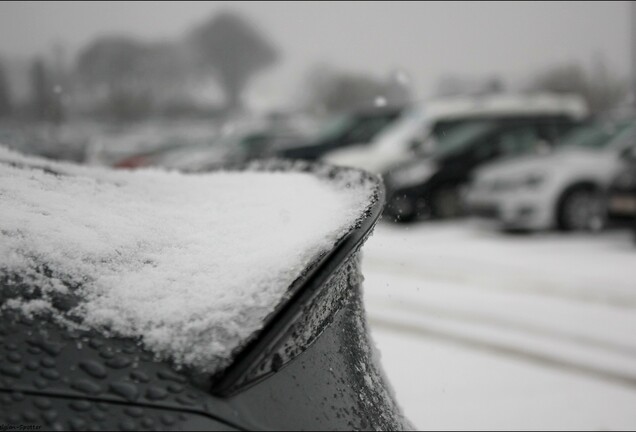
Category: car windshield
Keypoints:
(462, 136)
(597, 135)
(335, 127)
(364, 127)
(356, 127)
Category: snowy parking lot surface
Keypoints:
(483, 330)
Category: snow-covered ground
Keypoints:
(483, 330)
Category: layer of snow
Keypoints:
(481, 330)
(190, 263)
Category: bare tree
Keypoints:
(601, 89)
(111, 63)
(332, 91)
(455, 85)
(45, 102)
(6, 105)
(234, 51)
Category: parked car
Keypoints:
(621, 202)
(419, 130)
(564, 189)
(215, 301)
(230, 149)
(223, 151)
(358, 128)
(127, 144)
(237, 142)
(431, 186)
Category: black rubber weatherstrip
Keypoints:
(303, 290)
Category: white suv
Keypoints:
(562, 189)
(415, 132)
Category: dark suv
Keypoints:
(621, 204)
(430, 185)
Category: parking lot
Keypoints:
(479, 329)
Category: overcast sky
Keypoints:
(425, 39)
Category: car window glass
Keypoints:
(462, 137)
(334, 128)
(623, 138)
(517, 141)
(367, 128)
(595, 135)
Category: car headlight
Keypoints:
(530, 181)
(533, 181)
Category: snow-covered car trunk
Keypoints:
(203, 300)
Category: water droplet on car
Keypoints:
(29, 416)
(86, 386)
(107, 353)
(93, 368)
(42, 403)
(96, 343)
(48, 362)
(51, 348)
(40, 383)
(98, 415)
(175, 388)
(126, 425)
(14, 357)
(171, 377)
(77, 424)
(51, 374)
(126, 390)
(156, 393)
(118, 362)
(168, 419)
(81, 405)
(34, 350)
(139, 376)
(14, 371)
(147, 423)
(13, 418)
(50, 416)
(17, 396)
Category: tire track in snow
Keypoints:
(481, 318)
(496, 278)
(541, 359)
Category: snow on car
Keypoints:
(224, 278)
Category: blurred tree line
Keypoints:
(602, 90)
(122, 78)
(332, 90)
(131, 79)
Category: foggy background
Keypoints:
(442, 47)
(479, 328)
